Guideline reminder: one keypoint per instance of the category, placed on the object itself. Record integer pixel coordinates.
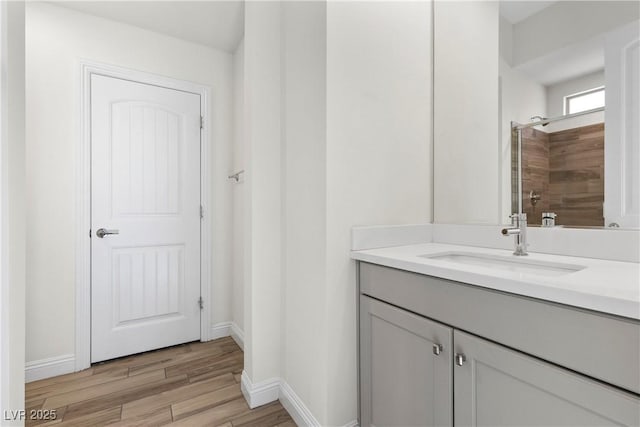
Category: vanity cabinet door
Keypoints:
(405, 368)
(496, 386)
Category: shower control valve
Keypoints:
(549, 219)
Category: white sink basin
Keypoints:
(514, 263)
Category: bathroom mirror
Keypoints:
(531, 61)
(558, 60)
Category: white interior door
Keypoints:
(145, 186)
(622, 129)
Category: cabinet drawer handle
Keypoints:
(460, 359)
(437, 349)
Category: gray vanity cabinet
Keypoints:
(405, 368)
(495, 386)
(436, 352)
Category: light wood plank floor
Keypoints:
(195, 384)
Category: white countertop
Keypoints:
(607, 286)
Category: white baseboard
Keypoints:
(51, 367)
(227, 329)
(261, 393)
(276, 389)
(295, 407)
(238, 335)
(220, 330)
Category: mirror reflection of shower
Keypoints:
(562, 169)
(556, 61)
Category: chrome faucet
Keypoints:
(518, 230)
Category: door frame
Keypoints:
(83, 199)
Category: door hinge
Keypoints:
(89, 233)
(201, 303)
(201, 122)
(201, 212)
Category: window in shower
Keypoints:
(584, 101)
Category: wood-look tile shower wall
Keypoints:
(576, 175)
(535, 173)
(567, 169)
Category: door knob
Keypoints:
(104, 232)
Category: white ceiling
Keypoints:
(567, 63)
(217, 24)
(515, 11)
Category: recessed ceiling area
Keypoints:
(217, 24)
(566, 63)
(556, 41)
(516, 11)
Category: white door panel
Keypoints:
(145, 183)
(622, 130)
(146, 143)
